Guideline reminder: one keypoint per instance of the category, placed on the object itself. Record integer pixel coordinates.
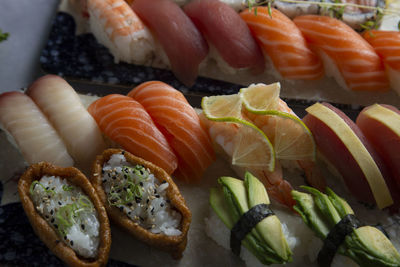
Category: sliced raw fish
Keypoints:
(36, 138)
(180, 124)
(126, 122)
(63, 108)
(179, 37)
(227, 32)
(284, 43)
(345, 54)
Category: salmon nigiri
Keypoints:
(180, 39)
(227, 32)
(345, 54)
(180, 124)
(63, 108)
(127, 123)
(36, 138)
(387, 46)
(284, 44)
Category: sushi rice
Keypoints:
(69, 212)
(150, 207)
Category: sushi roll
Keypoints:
(66, 214)
(143, 200)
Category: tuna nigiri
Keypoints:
(36, 138)
(227, 32)
(284, 44)
(387, 46)
(182, 42)
(127, 123)
(345, 54)
(180, 124)
(63, 108)
(118, 28)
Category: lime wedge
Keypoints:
(252, 148)
(260, 97)
(291, 138)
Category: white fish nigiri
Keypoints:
(117, 27)
(62, 106)
(36, 138)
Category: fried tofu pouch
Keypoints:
(42, 228)
(175, 245)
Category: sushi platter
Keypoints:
(132, 156)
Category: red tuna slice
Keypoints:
(179, 37)
(351, 154)
(381, 126)
(226, 30)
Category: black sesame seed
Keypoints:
(157, 196)
(121, 208)
(129, 204)
(138, 199)
(147, 201)
(65, 237)
(47, 188)
(141, 184)
(47, 216)
(114, 177)
(102, 171)
(163, 182)
(51, 212)
(59, 203)
(155, 191)
(83, 226)
(141, 218)
(52, 220)
(72, 243)
(162, 204)
(56, 226)
(104, 181)
(152, 209)
(129, 213)
(119, 191)
(123, 152)
(125, 176)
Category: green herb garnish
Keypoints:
(47, 190)
(67, 188)
(3, 36)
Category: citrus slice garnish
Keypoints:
(252, 147)
(261, 97)
(291, 138)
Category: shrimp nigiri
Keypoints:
(180, 124)
(118, 28)
(345, 54)
(62, 106)
(126, 122)
(227, 32)
(223, 136)
(182, 42)
(387, 46)
(36, 138)
(268, 125)
(284, 44)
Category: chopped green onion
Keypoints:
(34, 183)
(67, 188)
(3, 36)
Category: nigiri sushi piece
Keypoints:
(227, 32)
(117, 27)
(344, 146)
(126, 122)
(380, 125)
(180, 124)
(183, 44)
(223, 135)
(387, 46)
(284, 44)
(35, 136)
(66, 214)
(345, 54)
(63, 108)
(151, 208)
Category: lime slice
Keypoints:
(252, 148)
(260, 97)
(222, 107)
(291, 138)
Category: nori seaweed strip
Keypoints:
(246, 223)
(336, 237)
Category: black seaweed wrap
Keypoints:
(336, 237)
(246, 223)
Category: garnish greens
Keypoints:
(46, 189)
(131, 188)
(3, 36)
(334, 9)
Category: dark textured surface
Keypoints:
(19, 246)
